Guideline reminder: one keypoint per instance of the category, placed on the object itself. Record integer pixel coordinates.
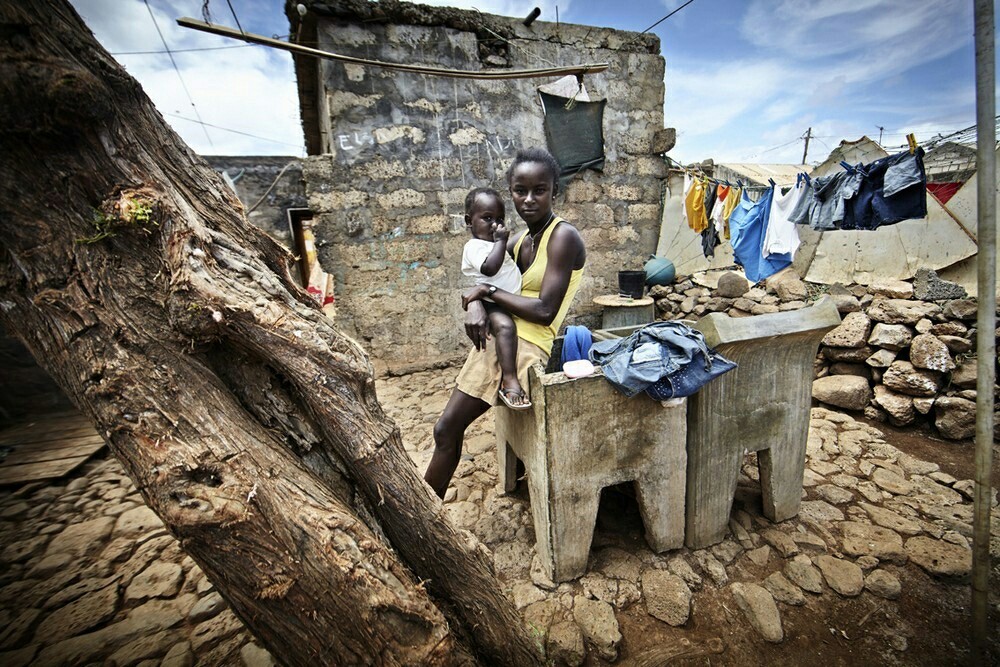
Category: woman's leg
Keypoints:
(449, 432)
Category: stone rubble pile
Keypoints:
(90, 575)
(905, 352)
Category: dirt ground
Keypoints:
(150, 605)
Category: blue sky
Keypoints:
(744, 78)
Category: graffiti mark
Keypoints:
(354, 141)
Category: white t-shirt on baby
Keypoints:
(508, 278)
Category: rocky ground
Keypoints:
(872, 570)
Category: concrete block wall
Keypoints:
(400, 152)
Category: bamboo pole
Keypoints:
(578, 70)
(986, 322)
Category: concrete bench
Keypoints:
(579, 437)
(762, 406)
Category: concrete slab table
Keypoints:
(762, 406)
(579, 437)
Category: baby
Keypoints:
(486, 261)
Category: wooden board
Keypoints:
(47, 447)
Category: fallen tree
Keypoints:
(247, 421)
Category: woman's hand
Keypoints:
(477, 327)
(474, 293)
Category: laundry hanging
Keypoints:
(747, 227)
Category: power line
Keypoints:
(235, 17)
(666, 17)
(229, 129)
(178, 70)
(205, 48)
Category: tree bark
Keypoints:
(248, 422)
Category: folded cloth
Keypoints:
(655, 352)
(576, 344)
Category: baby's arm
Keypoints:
(494, 260)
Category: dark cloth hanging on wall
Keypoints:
(575, 136)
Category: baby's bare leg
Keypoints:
(505, 338)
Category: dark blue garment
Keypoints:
(871, 208)
(576, 344)
(747, 226)
(652, 353)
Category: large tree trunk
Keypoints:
(248, 422)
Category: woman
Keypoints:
(551, 256)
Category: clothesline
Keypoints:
(695, 172)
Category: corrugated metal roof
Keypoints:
(781, 174)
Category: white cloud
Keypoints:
(249, 89)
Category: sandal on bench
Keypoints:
(506, 394)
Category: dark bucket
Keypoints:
(630, 283)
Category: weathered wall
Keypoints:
(402, 150)
(252, 176)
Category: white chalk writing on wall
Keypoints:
(354, 141)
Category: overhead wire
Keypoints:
(229, 129)
(235, 17)
(666, 17)
(178, 70)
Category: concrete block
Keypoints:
(762, 406)
(579, 437)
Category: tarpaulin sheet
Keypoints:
(575, 136)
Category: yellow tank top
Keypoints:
(542, 335)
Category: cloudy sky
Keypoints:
(744, 78)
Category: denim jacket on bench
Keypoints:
(633, 363)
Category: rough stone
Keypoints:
(801, 571)
(899, 407)
(890, 336)
(147, 646)
(956, 344)
(841, 368)
(927, 351)
(846, 303)
(79, 539)
(862, 539)
(834, 494)
(844, 391)
(901, 311)
(79, 616)
(940, 558)
(206, 607)
(783, 590)
(961, 309)
(883, 584)
(136, 521)
(819, 510)
(599, 625)
(667, 597)
(254, 656)
(539, 577)
(923, 404)
(210, 633)
(904, 378)
(891, 520)
(955, 418)
(159, 580)
(760, 555)
(881, 359)
(759, 609)
(892, 482)
(713, 568)
(565, 644)
(927, 286)
(683, 569)
(854, 355)
(842, 576)
(16, 630)
(732, 285)
(891, 288)
(791, 289)
(851, 332)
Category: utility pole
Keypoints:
(807, 138)
(880, 130)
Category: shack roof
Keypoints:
(758, 174)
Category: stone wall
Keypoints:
(905, 352)
(402, 151)
(252, 176)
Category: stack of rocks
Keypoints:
(904, 353)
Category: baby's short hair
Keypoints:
(470, 199)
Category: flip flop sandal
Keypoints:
(506, 394)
